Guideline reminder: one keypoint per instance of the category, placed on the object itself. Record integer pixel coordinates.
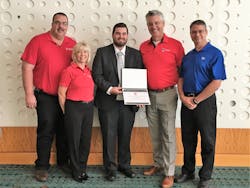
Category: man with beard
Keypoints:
(116, 119)
(45, 56)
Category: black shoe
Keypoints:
(127, 172)
(110, 176)
(84, 176)
(78, 178)
(41, 175)
(184, 177)
(203, 184)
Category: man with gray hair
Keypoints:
(162, 58)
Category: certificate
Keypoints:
(134, 86)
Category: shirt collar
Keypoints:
(50, 38)
(204, 48)
(163, 40)
(74, 65)
(123, 50)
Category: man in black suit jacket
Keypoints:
(116, 119)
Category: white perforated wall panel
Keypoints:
(92, 21)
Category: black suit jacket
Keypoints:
(104, 72)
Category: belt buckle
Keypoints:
(191, 95)
(164, 89)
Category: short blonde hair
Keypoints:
(78, 47)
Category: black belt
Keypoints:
(40, 91)
(161, 90)
(83, 102)
(189, 94)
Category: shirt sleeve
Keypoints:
(31, 50)
(218, 68)
(65, 78)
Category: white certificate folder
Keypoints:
(134, 86)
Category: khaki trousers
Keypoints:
(161, 119)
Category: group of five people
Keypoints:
(59, 83)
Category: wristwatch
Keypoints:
(195, 101)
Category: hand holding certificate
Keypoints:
(134, 86)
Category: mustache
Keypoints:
(60, 29)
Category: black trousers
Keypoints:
(202, 119)
(50, 122)
(116, 126)
(78, 126)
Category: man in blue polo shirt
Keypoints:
(201, 74)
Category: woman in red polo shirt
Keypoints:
(76, 94)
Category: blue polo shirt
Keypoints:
(199, 68)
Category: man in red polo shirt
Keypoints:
(162, 57)
(45, 56)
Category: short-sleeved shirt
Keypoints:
(79, 83)
(49, 60)
(162, 62)
(199, 68)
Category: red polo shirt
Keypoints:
(49, 60)
(162, 62)
(79, 83)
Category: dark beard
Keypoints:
(119, 44)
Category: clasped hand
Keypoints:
(188, 102)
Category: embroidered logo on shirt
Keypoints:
(203, 58)
(69, 49)
(165, 50)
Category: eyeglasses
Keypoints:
(194, 32)
(59, 23)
